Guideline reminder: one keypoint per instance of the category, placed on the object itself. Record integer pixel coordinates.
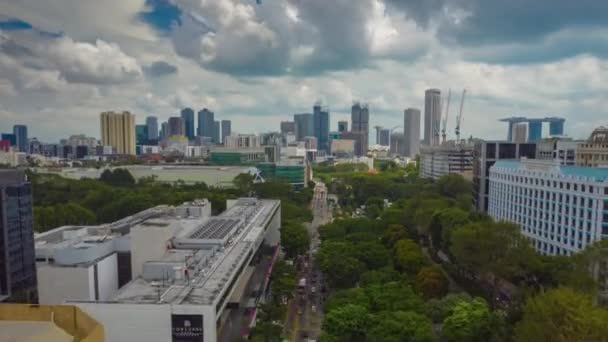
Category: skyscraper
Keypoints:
(321, 127)
(411, 130)
(205, 123)
(432, 116)
(152, 123)
(288, 127)
(226, 128)
(304, 125)
(164, 130)
(141, 134)
(342, 126)
(20, 132)
(17, 253)
(176, 126)
(118, 131)
(188, 119)
(216, 132)
(384, 137)
(360, 125)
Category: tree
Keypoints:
(117, 177)
(408, 256)
(472, 321)
(373, 254)
(442, 223)
(396, 232)
(341, 298)
(432, 282)
(562, 315)
(294, 239)
(393, 296)
(400, 326)
(283, 281)
(347, 323)
(452, 185)
(492, 248)
(244, 182)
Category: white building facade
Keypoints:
(561, 209)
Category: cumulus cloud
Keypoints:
(72, 61)
(160, 69)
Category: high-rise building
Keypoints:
(304, 125)
(176, 126)
(342, 126)
(226, 129)
(164, 131)
(561, 150)
(447, 158)
(411, 130)
(485, 154)
(360, 127)
(520, 132)
(152, 123)
(188, 118)
(118, 131)
(205, 123)
(17, 253)
(141, 134)
(288, 127)
(560, 209)
(432, 116)
(321, 127)
(216, 132)
(384, 137)
(397, 144)
(20, 132)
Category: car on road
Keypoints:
(313, 308)
(313, 290)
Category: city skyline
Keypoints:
(147, 63)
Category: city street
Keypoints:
(305, 316)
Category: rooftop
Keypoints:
(596, 174)
(205, 258)
(83, 245)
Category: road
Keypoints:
(304, 314)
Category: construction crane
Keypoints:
(445, 119)
(459, 117)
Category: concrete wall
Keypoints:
(146, 322)
(56, 284)
(107, 277)
(147, 244)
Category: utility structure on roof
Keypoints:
(460, 115)
(535, 126)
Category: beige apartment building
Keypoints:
(594, 151)
(118, 131)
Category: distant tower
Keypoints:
(342, 126)
(411, 130)
(118, 131)
(176, 126)
(432, 116)
(360, 126)
(152, 123)
(188, 119)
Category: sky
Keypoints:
(62, 62)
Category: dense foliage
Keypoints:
(391, 269)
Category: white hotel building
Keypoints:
(561, 209)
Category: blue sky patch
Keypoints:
(161, 14)
(14, 24)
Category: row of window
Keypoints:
(547, 182)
